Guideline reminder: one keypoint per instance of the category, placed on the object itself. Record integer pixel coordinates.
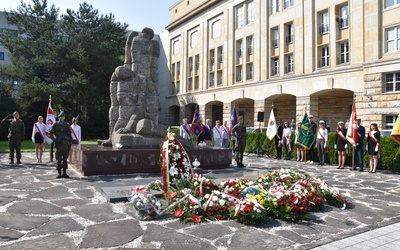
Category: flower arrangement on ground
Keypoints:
(283, 193)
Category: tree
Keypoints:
(71, 59)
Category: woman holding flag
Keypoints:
(341, 144)
(38, 137)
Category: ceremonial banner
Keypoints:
(396, 130)
(352, 130)
(50, 120)
(196, 127)
(306, 135)
(271, 129)
(234, 118)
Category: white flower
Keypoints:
(221, 202)
(214, 198)
(206, 196)
(173, 171)
(138, 204)
(195, 183)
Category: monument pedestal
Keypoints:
(99, 160)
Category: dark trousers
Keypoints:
(311, 153)
(15, 145)
(278, 150)
(52, 151)
(359, 152)
(62, 154)
(239, 150)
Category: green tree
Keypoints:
(70, 58)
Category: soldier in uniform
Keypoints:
(16, 134)
(239, 131)
(63, 141)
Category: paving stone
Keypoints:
(9, 234)
(53, 193)
(208, 231)
(84, 193)
(111, 234)
(58, 225)
(21, 222)
(36, 186)
(98, 212)
(192, 244)
(4, 200)
(259, 240)
(288, 234)
(47, 242)
(70, 202)
(35, 207)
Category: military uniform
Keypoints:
(16, 134)
(239, 131)
(63, 141)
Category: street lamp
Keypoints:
(196, 169)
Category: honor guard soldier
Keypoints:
(239, 131)
(63, 140)
(16, 134)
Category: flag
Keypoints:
(306, 135)
(352, 130)
(50, 120)
(196, 128)
(271, 129)
(396, 130)
(234, 118)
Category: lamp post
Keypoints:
(196, 168)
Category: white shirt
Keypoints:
(77, 130)
(217, 132)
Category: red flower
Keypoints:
(171, 195)
(179, 212)
(196, 218)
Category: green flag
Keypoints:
(306, 135)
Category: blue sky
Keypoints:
(136, 13)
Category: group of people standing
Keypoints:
(320, 132)
(65, 137)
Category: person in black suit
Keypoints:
(311, 149)
(359, 149)
(278, 140)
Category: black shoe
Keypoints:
(243, 166)
(65, 173)
(18, 162)
(361, 170)
(11, 162)
(59, 174)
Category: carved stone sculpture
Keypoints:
(134, 93)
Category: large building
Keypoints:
(291, 56)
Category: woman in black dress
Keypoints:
(373, 144)
(341, 144)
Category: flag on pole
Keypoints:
(50, 120)
(352, 130)
(271, 129)
(396, 130)
(306, 134)
(196, 127)
(234, 118)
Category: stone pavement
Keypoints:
(38, 211)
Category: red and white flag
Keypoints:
(50, 120)
(352, 130)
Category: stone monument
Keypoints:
(134, 92)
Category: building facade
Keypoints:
(291, 56)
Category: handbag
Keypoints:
(327, 149)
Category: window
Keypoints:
(324, 57)
(289, 3)
(250, 12)
(275, 67)
(390, 3)
(393, 39)
(194, 39)
(239, 45)
(390, 120)
(289, 63)
(250, 45)
(239, 17)
(1, 56)
(324, 23)
(216, 29)
(175, 47)
(344, 17)
(249, 75)
(344, 53)
(392, 82)
(211, 83)
(239, 72)
(275, 6)
(290, 33)
(275, 38)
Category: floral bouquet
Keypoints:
(202, 186)
(218, 205)
(145, 203)
(234, 187)
(188, 208)
(249, 212)
(175, 165)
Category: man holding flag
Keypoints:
(50, 120)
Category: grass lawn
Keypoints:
(28, 146)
